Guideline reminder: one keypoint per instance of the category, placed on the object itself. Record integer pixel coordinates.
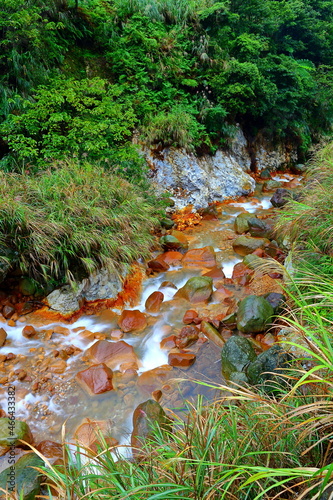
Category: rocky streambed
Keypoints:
(198, 295)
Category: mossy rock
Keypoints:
(252, 261)
(197, 289)
(241, 223)
(237, 353)
(271, 185)
(27, 286)
(170, 242)
(267, 368)
(23, 477)
(167, 223)
(146, 417)
(11, 432)
(253, 314)
(259, 228)
(243, 245)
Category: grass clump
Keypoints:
(71, 220)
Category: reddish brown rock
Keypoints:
(200, 257)
(61, 330)
(222, 293)
(132, 321)
(241, 270)
(172, 258)
(28, 331)
(154, 379)
(96, 379)
(187, 336)
(88, 434)
(190, 316)
(168, 342)
(112, 354)
(181, 359)
(51, 450)
(154, 302)
(58, 366)
(166, 284)
(158, 264)
(216, 274)
(3, 336)
(8, 311)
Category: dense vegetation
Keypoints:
(77, 78)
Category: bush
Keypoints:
(72, 219)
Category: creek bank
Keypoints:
(200, 180)
(183, 338)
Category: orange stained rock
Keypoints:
(96, 379)
(132, 321)
(112, 354)
(200, 257)
(172, 257)
(154, 302)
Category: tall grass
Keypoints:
(73, 219)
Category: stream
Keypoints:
(50, 395)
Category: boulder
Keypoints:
(132, 321)
(212, 333)
(172, 258)
(268, 368)
(27, 286)
(244, 245)
(112, 354)
(51, 450)
(252, 261)
(200, 257)
(168, 342)
(259, 228)
(205, 178)
(197, 289)
(216, 274)
(181, 359)
(8, 310)
(281, 197)
(188, 335)
(3, 336)
(190, 316)
(96, 379)
(10, 435)
(28, 331)
(276, 300)
(170, 242)
(236, 354)
(146, 416)
(158, 264)
(253, 314)
(167, 223)
(98, 286)
(23, 477)
(241, 225)
(89, 433)
(154, 379)
(271, 185)
(154, 302)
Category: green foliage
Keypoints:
(72, 219)
(84, 118)
(264, 64)
(176, 128)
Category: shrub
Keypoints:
(73, 218)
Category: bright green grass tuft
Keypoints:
(73, 219)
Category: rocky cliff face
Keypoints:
(201, 180)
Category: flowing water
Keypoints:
(57, 397)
